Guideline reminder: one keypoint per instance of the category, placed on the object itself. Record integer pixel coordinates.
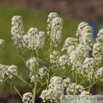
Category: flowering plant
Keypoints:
(64, 72)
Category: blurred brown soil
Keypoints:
(91, 10)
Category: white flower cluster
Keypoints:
(55, 24)
(7, 71)
(28, 98)
(32, 63)
(63, 61)
(70, 41)
(85, 93)
(99, 73)
(17, 30)
(59, 61)
(34, 39)
(78, 55)
(59, 86)
(99, 38)
(84, 52)
(54, 56)
(55, 89)
(2, 43)
(98, 52)
(43, 71)
(89, 67)
(85, 33)
(74, 89)
(80, 28)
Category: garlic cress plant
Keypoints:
(67, 71)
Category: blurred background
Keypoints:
(34, 13)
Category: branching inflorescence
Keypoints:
(66, 71)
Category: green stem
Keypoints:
(34, 90)
(24, 81)
(4, 80)
(15, 87)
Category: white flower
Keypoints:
(2, 43)
(43, 71)
(66, 82)
(12, 70)
(98, 52)
(54, 28)
(54, 56)
(56, 80)
(41, 40)
(74, 89)
(32, 63)
(28, 98)
(70, 49)
(70, 41)
(99, 38)
(64, 60)
(9, 71)
(99, 72)
(80, 28)
(32, 38)
(17, 30)
(44, 94)
(85, 93)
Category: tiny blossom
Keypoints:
(56, 80)
(87, 39)
(83, 93)
(97, 52)
(74, 89)
(54, 28)
(3, 70)
(99, 72)
(2, 43)
(89, 63)
(66, 82)
(32, 63)
(70, 49)
(9, 71)
(52, 15)
(87, 29)
(80, 28)
(49, 20)
(25, 41)
(89, 67)
(17, 30)
(99, 38)
(64, 60)
(55, 89)
(70, 41)
(43, 71)
(34, 76)
(56, 31)
(28, 98)
(54, 56)
(78, 56)
(41, 39)
(12, 70)
(32, 38)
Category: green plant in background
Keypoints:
(56, 72)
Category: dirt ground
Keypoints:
(91, 10)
